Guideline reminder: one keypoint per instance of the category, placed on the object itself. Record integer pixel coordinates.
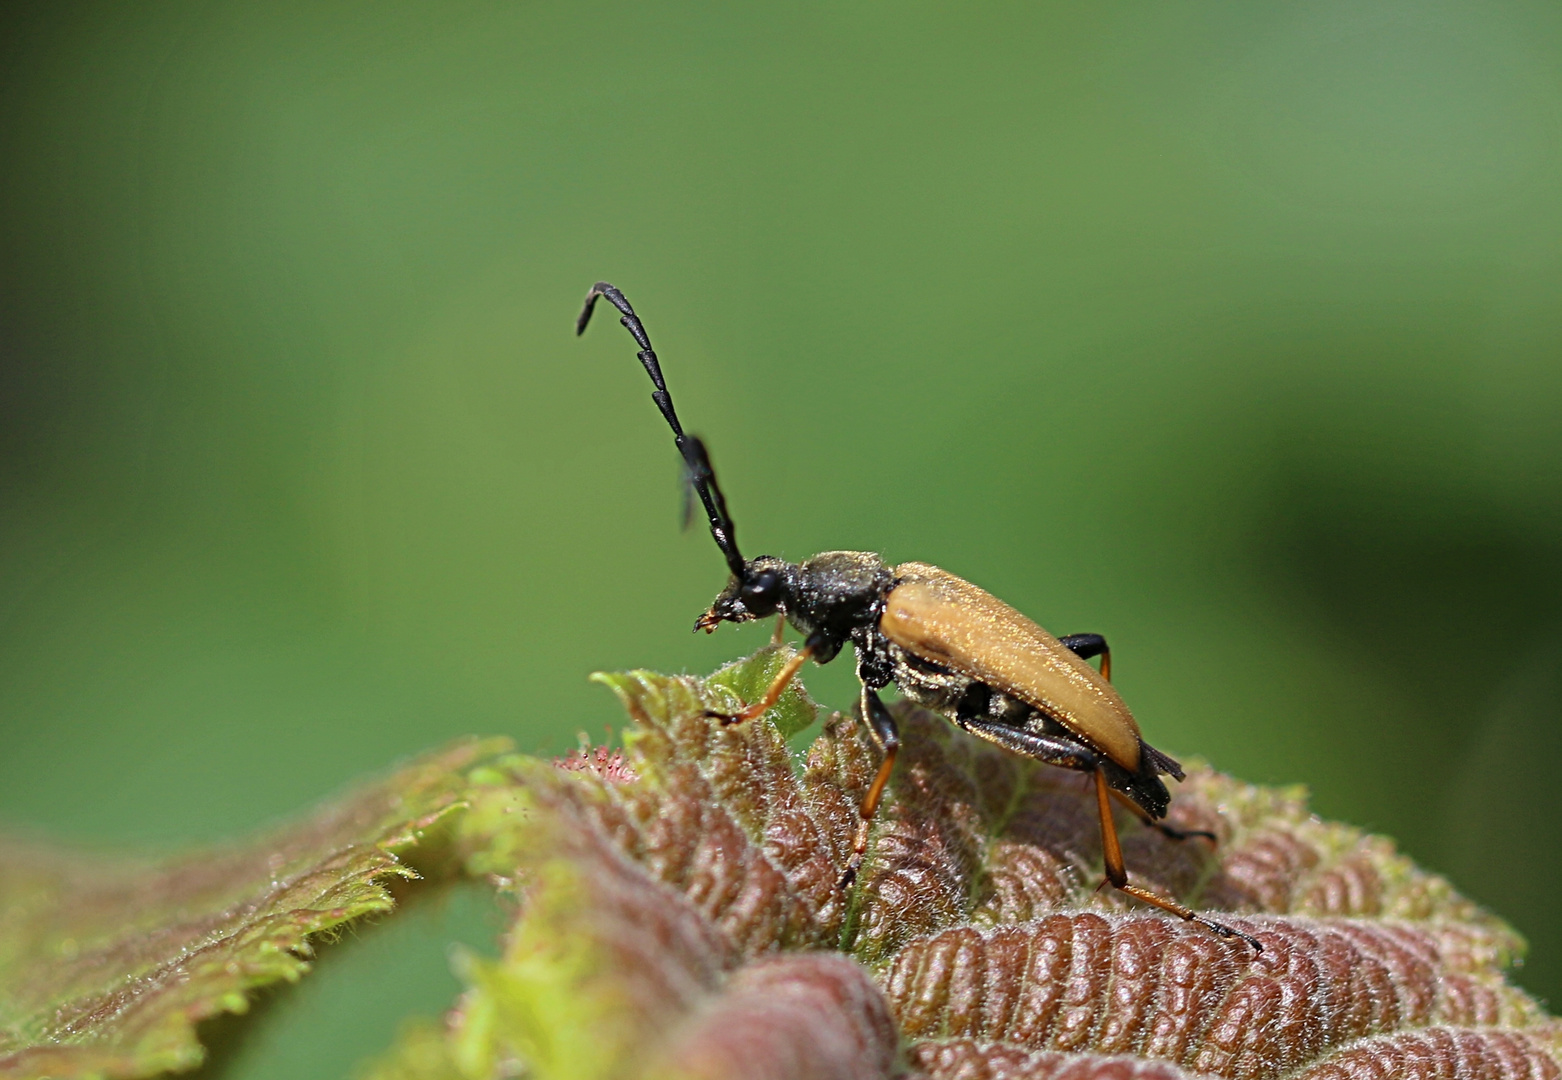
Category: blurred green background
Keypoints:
(1229, 330)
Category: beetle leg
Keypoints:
(1159, 826)
(1117, 873)
(777, 688)
(886, 736)
(779, 635)
(1057, 750)
(1087, 645)
(1048, 749)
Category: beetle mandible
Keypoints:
(947, 645)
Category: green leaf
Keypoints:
(726, 690)
(751, 676)
(106, 964)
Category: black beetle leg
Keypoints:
(1051, 749)
(1169, 831)
(1059, 750)
(1087, 645)
(886, 736)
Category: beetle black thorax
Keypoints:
(825, 597)
(835, 593)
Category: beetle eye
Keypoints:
(761, 588)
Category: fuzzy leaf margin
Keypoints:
(107, 964)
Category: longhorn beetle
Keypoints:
(947, 645)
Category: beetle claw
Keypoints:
(1231, 932)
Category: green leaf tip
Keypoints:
(653, 698)
(687, 922)
(107, 964)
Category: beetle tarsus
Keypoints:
(1173, 833)
(1229, 932)
(859, 852)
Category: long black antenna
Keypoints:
(696, 461)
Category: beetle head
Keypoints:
(761, 590)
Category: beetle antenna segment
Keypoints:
(695, 459)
